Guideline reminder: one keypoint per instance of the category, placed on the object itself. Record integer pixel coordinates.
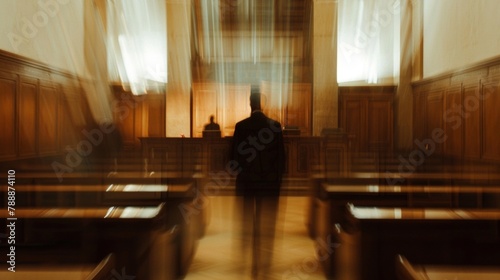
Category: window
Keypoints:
(368, 41)
(137, 44)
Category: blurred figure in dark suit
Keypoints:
(212, 129)
(260, 155)
(212, 125)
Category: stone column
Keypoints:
(324, 58)
(410, 70)
(178, 98)
(95, 82)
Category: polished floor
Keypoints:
(217, 256)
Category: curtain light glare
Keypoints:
(367, 41)
(137, 44)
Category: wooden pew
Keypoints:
(407, 271)
(347, 179)
(426, 235)
(333, 199)
(137, 235)
(180, 200)
(103, 271)
(402, 179)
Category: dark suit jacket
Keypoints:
(259, 150)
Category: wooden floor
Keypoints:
(217, 256)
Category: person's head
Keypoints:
(212, 118)
(255, 100)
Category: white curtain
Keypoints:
(368, 41)
(252, 51)
(137, 44)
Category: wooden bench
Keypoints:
(333, 199)
(399, 180)
(137, 235)
(408, 271)
(181, 204)
(55, 272)
(102, 271)
(426, 235)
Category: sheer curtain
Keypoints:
(243, 45)
(368, 41)
(137, 44)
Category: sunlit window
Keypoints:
(368, 41)
(137, 44)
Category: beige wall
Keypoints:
(49, 31)
(458, 33)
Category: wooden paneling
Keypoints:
(126, 123)
(48, 120)
(65, 126)
(419, 114)
(8, 89)
(290, 104)
(139, 116)
(491, 121)
(434, 118)
(466, 105)
(205, 98)
(234, 107)
(227, 102)
(36, 117)
(354, 122)
(156, 115)
(298, 108)
(472, 123)
(28, 117)
(453, 122)
(366, 115)
(380, 125)
(303, 154)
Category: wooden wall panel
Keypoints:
(289, 104)
(419, 114)
(366, 115)
(380, 128)
(138, 116)
(28, 117)
(156, 115)
(234, 107)
(48, 120)
(76, 105)
(272, 98)
(126, 122)
(8, 104)
(68, 130)
(228, 103)
(34, 116)
(471, 112)
(472, 122)
(453, 121)
(491, 122)
(205, 97)
(434, 119)
(298, 108)
(353, 122)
